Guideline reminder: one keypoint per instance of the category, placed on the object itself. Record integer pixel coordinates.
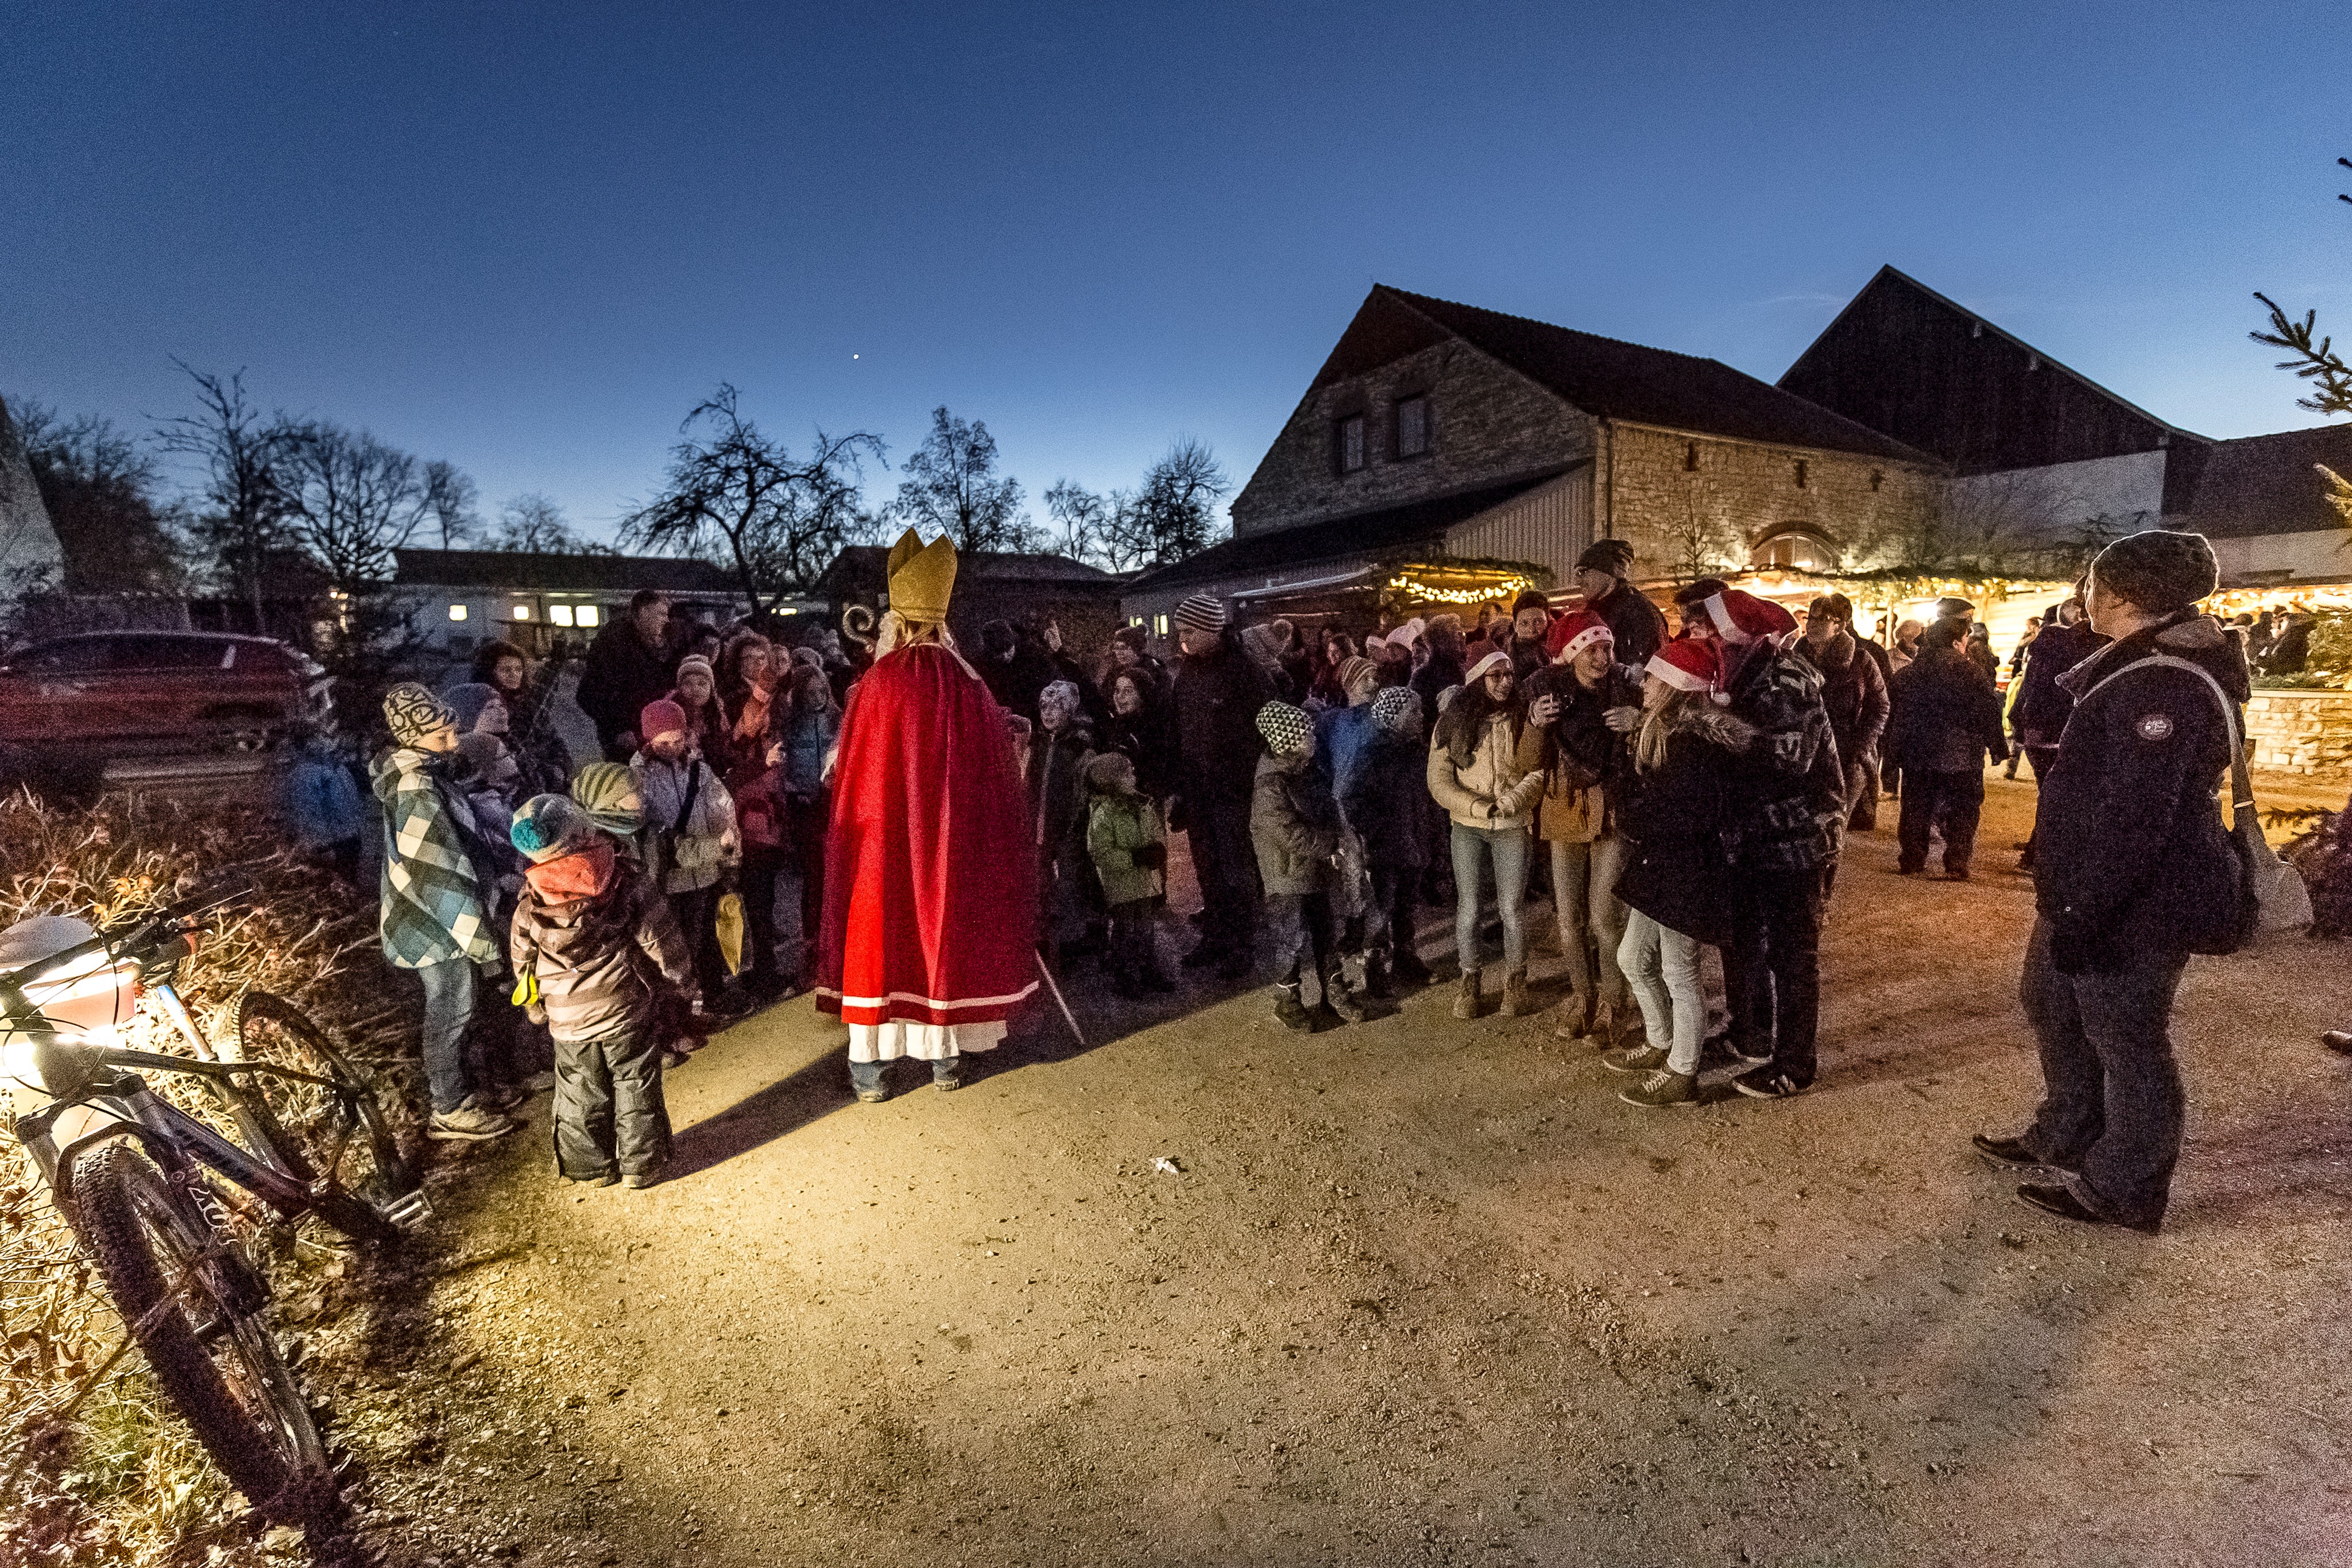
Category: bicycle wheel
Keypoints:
(335, 1140)
(204, 1340)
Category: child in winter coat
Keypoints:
(1130, 849)
(690, 819)
(1294, 828)
(322, 801)
(590, 943)
(1386, 801)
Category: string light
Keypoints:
(1419, 588)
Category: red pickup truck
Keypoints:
(98, 695)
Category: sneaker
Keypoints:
(1635, 1059)
(1724, 1048)
(1662, 1088)
(470, 1123)
(1292, 1015)
(503, 1097)
(2337, 1040)
(1766, 1083)
(1344, 1002)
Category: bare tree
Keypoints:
(1700, 537)
(951, 487)
(99, 486)
(733, 492)
(532, 524)
(2311, 358)
(450, 497)
(243, 524)
(352, 500)
(1084, 520)
(1174, 513)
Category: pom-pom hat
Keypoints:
(550, 826)
(1571, 634)
(1689, 664)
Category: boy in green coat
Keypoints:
(1129, 847)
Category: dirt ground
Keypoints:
(1416, 1291)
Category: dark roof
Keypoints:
(2270, 485)
(1616, 379)
(559, 573)
(858, 569)
(1358, 534)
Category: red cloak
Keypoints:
(929, 874)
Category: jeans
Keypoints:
(1298, 934)
(1388, 917)
(609, 1106)
(1473, 848)
(1227, 865)
(866, 1076)
(1591, 921)
(1958, 799)
(762, 868)
(448, 1007)
(1662, 969)
(2111, 1099)
(1772, 967)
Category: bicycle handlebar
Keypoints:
(134, 940)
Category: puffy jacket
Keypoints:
(1294, 827)
(1387, 802)
(1339, 737)
(1117, 826)
(808, 739)
(1492, 776)
(1853, 693)
(1580, 758)
(593, 932)
(1678, 818)
(693, 856)
(2131, 860)
(1947, 716)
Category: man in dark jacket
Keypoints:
(1791, 793)
(2042, 705)
(1219, 690)
(1854, 692)
(2135, 874)
(1015, 669)
(1946, 717)
(1601, 574)
(627, 666)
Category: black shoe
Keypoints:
(1406, 968)
(1909, 870)
(2011, 1153)
(2057, 1200)
(2337, 1040)
(1722, 1048)
(1292, 1014)
(1206, 954)
(1236, 966)
(1153, 981)
(1766, 1083)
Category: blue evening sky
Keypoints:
(528, 237)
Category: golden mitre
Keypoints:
(922, 577)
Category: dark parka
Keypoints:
(619, 676)
(2131, 860)
(1678, 818)
(1640, 631)
(1947, 716)
(2043, 703)
(1853, 693)
(1387, 802)
(1217, 699)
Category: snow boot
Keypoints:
(1515, 994)
(1466, 999)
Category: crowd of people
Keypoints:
(1689, 788)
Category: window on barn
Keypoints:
(1801, 472)
(1794, 549)
(1690, 459)
(1413, 427)
(1352, 444)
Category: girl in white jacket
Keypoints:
(1475, 775)
(690, 821)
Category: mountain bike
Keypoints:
(135, 1175)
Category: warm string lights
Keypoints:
(1503, 588)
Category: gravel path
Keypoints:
(1417, 1291)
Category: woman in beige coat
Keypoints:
(1475, 775)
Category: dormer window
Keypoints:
(1412, 426)
(1352, 444)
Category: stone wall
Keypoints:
(1737, 494)
(1488, 424)
(2301, 732)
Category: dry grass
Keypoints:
(122, 1482)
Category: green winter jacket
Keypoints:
(1116, 827)
(432, 890)
(1294, 828)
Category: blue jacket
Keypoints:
(321, 801)
(1340, 736)
(807, 737)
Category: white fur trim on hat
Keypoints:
(1725, 626)
(1479, 671)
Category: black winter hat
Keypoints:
(2160, 570)
(1614, 557)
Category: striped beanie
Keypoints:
(1286, 728)
(1397, 710)
(607, 791)
(1356, 668)
(411, 712)
(1201, 613)
(549, 827)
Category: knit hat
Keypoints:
(1740, 617)
(1614, 557)
(1397, 710)
(1286, 728)
(1097, 770)
(549, 827)
(1479, 671)
(659, 717)
(1571, 634)
(1133, 636)
(601, 789)
(1530, 599)
(413, 712)
(480, 752)
(1065, 693)
(1406, 635)
(1201, 613)
(2159, 571)
(1689, 664)
(696, 661)
(1356, 668)
(468, 701)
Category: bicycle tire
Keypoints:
(292, 1126)
(253, 1423)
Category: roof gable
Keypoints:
(2270, 485)
(1616, 379)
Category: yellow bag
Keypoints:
(526, 991)
(731, 931)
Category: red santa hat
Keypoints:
(1478, 672)
(1689, 664)
(1571, 634)
(1740, 617)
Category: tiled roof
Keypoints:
(1335, 539)
(1623, 380)
(2269, 484)
(498, 570)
